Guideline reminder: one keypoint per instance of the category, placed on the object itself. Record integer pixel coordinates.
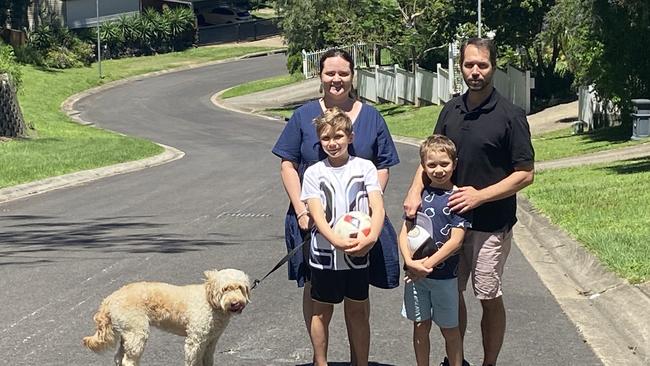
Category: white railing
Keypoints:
(362, 55)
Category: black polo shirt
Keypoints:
(491, 140)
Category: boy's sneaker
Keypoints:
(445, 362)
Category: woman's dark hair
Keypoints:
(336, 52)
(482, 43)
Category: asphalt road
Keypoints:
(220, 206)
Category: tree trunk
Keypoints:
(12, 123)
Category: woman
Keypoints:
(298, 146)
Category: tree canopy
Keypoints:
(605, 43)
(599, 42)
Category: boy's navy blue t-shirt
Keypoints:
(434, 205)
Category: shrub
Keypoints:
(61, 58)
(51, 44)
(151, 32)
(8, 64)
(294, 63)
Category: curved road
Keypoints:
(220, 206)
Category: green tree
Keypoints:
(303, 26)
(606, 43)
(410, 28)
(522, 34)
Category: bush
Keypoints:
(52, 45)
(294, 63)
(8, 64)
(151, 32)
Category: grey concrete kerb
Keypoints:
(169, 153)
(67, 180)
(219, 102)
(612, 315)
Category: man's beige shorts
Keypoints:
(483, 256)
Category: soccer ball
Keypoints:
(421, 243)
(349, 225)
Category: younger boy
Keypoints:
(339, 266)
(431, 289)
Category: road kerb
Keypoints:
(612, 315)
(85, 176)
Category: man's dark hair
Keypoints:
(484, 43)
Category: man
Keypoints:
(495, 161)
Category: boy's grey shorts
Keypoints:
(427, 299)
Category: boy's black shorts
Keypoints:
(331, 287)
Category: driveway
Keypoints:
(220, 206)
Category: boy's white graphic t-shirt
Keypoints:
(341, 190)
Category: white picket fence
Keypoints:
(393, 84)
(362, 55)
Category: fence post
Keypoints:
(377, 83)
(395, 67)
(527, 91)
(438, 82)
(450, 73)
(304, 63)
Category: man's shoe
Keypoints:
(445, 362)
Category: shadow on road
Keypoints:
(29, 239)
(348, 364)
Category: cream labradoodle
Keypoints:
(198, 312)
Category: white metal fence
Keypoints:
(362, 55)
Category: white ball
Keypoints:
(421, 243)
(416, 237)
(352, 224)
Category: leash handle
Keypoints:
(283, 260)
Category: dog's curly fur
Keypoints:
(198, 312)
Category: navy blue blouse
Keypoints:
(299, 142)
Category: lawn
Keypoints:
(263, 84)
(605, 207)
(409, 121)
(563, 143)
(58, 146)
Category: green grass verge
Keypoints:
(409, 121)
(59, 146)
(263, 84)
(605, 207)
(563, 143)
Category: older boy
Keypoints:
(339, 266)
